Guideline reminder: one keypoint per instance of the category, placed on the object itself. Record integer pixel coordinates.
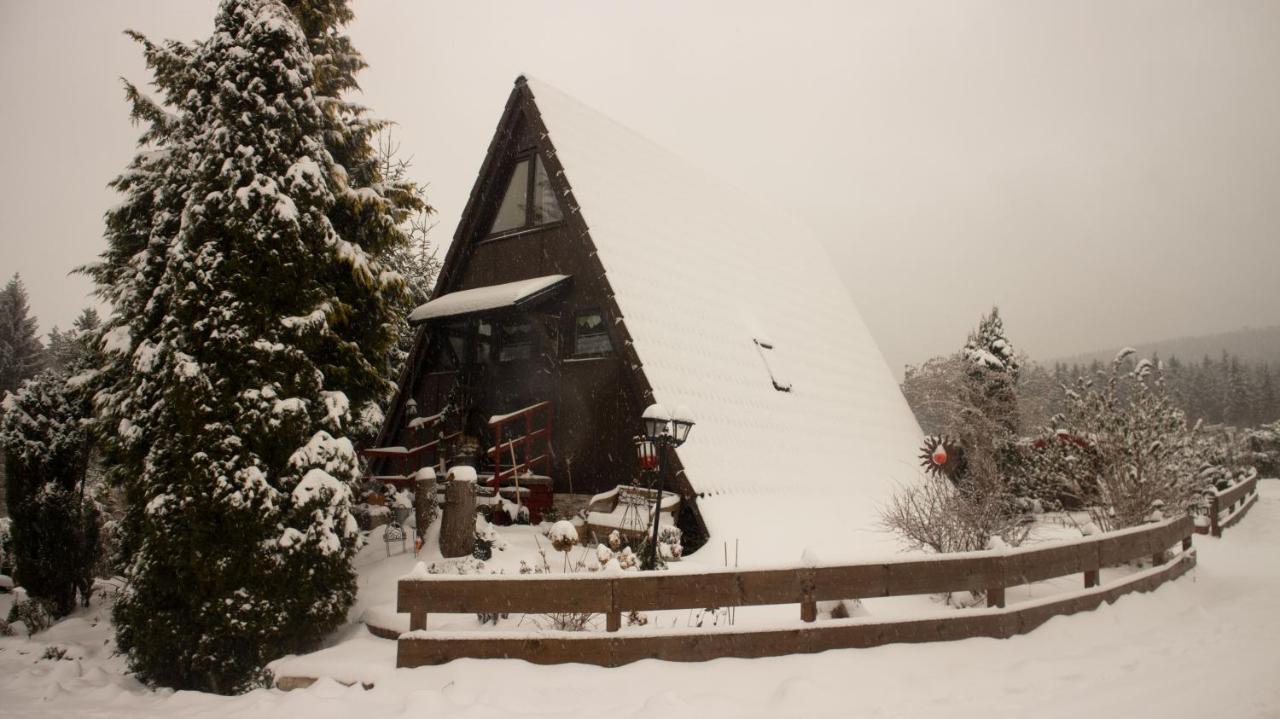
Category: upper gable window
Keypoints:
(529, 200)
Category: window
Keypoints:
(765, 349)
(451, 349)
(590, 335)
(516, 341)
(529, 200)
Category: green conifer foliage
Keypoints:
(248, 330)
(55, 528)
(378, 210)
(20, 348)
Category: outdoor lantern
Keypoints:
(657, 422)
(646, 454)
(411, 407)
(681, 423)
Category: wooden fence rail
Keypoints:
(1244, 494)
(613, 595)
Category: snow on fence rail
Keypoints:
(613, 595)
(1244, 494)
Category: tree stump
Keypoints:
(458, 525)
(424, 501)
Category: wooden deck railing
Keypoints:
(528, 450)
(1244, 494)
(408, 460)
(612, 596)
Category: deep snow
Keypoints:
(1207, 644)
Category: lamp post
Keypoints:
(662, 429)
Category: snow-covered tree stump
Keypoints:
(458, 525)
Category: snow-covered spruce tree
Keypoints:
(384, 212)
(20, 348)
(994, 367)
(54, 525)
(248, 332)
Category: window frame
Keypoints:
(535, 160)
(604, 330)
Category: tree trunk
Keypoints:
(458, 526)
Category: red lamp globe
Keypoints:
(646, 455)
(940, 455)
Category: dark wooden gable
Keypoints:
(598, 399)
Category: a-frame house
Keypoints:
(592, 274)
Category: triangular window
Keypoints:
(529, 200)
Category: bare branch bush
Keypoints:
(972, 404)
(1147, 457)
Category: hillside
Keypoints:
(1251, 345)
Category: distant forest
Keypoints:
(1223, 379)
(1224, 390)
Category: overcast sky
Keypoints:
(1106, 172)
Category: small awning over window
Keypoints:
(521, 294)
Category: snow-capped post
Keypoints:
(458, 525)
(424, 504)
(664, 430)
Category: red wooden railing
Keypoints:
(525, 453)
(410, 459)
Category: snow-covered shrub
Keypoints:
(1262, 445)
(54, 531)
(669, 546)
(1143, 447)
(35, 614)
(486, 540)
(6, 630)
(935, 514)
(6, 546)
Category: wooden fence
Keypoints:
(989, 572)
(1243, 494)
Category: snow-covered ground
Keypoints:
(1206, 644)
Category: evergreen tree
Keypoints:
(995, 366)
(1268, 407)
(1238, 399)
(71, 349)
(248, 329)
(383, 211)
(415, 261)
(20, 348)
(54, 526)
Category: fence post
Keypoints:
(808, 605)
(1090, 578)
(995, 597)
(417, 620)
(613, 619)
(1214, 528)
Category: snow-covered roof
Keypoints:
(482, 299)
(714, 283)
